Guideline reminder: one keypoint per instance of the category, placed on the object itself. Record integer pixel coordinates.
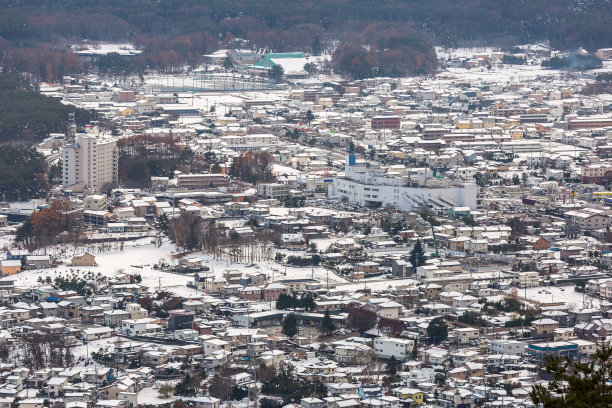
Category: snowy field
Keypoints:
(150, 396)
(105, 345)
(138, 257)
(565, 294)
(504, 73)
(499, 72)
(378, 284)
(224, 100)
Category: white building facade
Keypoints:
(90, 162)
(386, 347)
(375, 187)
(507, 347)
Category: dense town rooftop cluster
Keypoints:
(217, 238)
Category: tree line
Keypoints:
(144, 156)
(48, 350)
(602, 84)
(54, 223)
(191, 232)
(175, 33)
(253, 167)
(28, 116)
(295, 24)
(22, 173)
(385, 51)
(574, 62)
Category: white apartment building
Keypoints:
(526, 279)
(429, 271)
(212, 346)
(595, 170)
(386, 347)
(273, 191)
(249, 142)
(507, 347)
(604, 53)
(90, 162)
(374, 187)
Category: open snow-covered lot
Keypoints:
(137, 257)
(555, 294)
(140, 256)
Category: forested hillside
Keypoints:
(28, 116)
(399, 33)
(290, 24)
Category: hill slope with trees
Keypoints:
(398, 35)
(28, 116)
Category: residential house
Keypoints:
(84, 259)
(544, 328)
(387, 347)
(463, 335)
(10, 267)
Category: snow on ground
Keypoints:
(465, 52)
(137, 257)
(276, 271)
(323, 244)
(504, 73)
(381, 284)
(150, 396)
(498, 72)
(508, 73)
(224, 100)
(106, 345)
(280, 170)
(223, 81)
(124, 49)
(565, 294)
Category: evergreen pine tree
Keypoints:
(290, 325)
(577, 384)
(417, 255)
(327, 325)
(316, 46)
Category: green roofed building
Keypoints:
(291, 62)
(268, 62)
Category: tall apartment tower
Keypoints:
(71, 128)
(90, 161)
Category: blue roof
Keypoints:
(279, 55)
(553, 346)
